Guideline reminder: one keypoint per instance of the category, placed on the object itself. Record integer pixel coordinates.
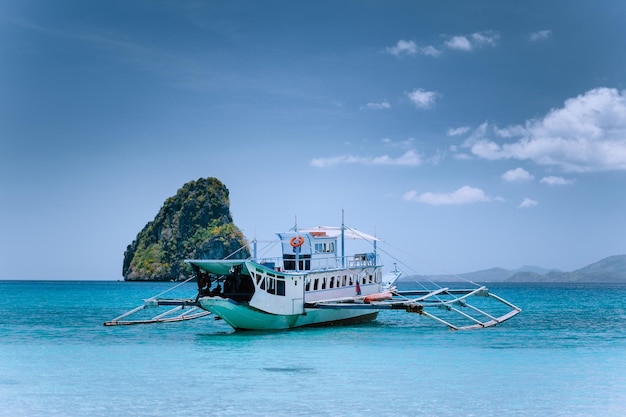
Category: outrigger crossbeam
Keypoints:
(190, 310)
(443, 305)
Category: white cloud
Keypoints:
(403, 144)
(527, 203)
(422, 99)
(473, 41)
(540, 35)
(509, 131)
(587, 134)
(409, 158)
(556, 181)
(439, 156)
(462, 156)
(382, 105)
(487, 38)
(430, 50)
(516, 175)
(458, 131)
(456, 154)
(464, 195)
(459, 42)
(404, 47)
(486, 149)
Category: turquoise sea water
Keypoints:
(564, 355)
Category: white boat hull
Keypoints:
(241, 316)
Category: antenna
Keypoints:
(343, 226)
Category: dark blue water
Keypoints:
(564, 355)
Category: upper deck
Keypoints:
(316, 250)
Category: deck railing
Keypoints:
(315, 263)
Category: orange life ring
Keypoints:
(296, 241)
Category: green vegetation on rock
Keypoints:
(194, 224)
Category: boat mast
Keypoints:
(343, 258)
(375, 256)
(254, 247)
(297, 249)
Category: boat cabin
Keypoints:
(308, 251)
(311, 268)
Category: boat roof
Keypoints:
(218, 266)
(335, 231)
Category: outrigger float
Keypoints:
(314, 283)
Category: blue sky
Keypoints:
(470, 134)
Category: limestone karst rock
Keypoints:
(196, 223)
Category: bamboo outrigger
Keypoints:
(194, 312)
(187, 308)
(451, 300)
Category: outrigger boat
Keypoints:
(314, 283)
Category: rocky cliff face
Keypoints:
(194, 224)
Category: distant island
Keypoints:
(196, 223)
(607, 270)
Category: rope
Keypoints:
(170, 289)
(241, 248)
(423, 261)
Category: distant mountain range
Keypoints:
(611, 269)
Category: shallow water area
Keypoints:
(564, 355)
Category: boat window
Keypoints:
(324, 283)
(273, 285)
(332, 282)
(280, 287)
(308, 284)
(327, 247)
(258, 278)
(345, 280)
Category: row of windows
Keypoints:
(270, 284)
(322, 283)
(325, 247)
(276, 285)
